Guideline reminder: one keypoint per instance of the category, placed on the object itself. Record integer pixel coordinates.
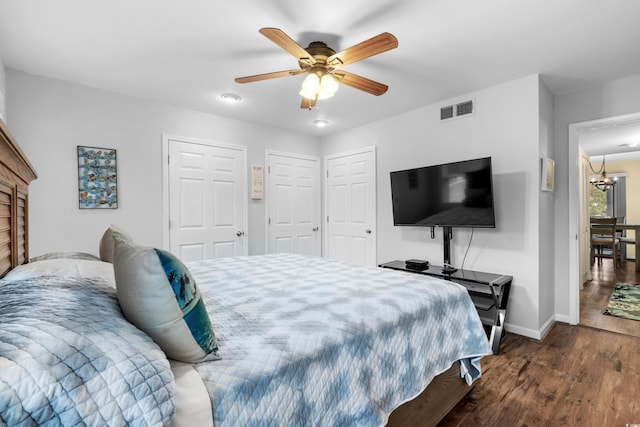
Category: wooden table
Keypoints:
(636, 228)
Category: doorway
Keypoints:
(604, 276)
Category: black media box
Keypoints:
(416, 264)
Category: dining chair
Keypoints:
(604, 239)
(624, 241)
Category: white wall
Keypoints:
(505, 127)
(610, 99)
(49, 118)
(547, 219)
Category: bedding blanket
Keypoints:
(314, 342)
(69, 358)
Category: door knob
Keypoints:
(368, 231)
(315, 228)
(240, 233)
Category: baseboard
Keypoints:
(562, 318)
(540, 333)
(547, 326)
(525, 332)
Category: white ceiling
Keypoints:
(188, 52)
(619, 140)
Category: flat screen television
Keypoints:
(456, 194)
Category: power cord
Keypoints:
(467, 251)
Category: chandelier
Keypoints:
(603, 183)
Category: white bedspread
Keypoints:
(313, 342)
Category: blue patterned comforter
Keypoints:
(68, 357)
(313, 342)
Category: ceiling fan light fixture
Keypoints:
(310, 86)
(328, 87)
(316, 87)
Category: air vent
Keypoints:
(464, 108)
(446, 112)
(461, 109)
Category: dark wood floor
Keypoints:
(577, 376)
(595, 297)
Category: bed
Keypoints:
(298, 340)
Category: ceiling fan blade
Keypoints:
(287, 43)
(266, 76)
(375, 45)
(361, 83)
(307, 103)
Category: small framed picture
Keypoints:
(97, 178)
(546, 183)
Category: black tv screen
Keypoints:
(456, 194)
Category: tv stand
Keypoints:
(489, 293)
(447, 269)
(447, 234)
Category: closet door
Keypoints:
(207, 199)
(293, 204)
(350, 200)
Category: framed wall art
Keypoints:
(546, 183)
(97, 178)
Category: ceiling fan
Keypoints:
(323, 65)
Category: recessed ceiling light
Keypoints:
(231, 98)
(321, 123)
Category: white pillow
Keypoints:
(75, 268)
(106, 243)
(158, 295)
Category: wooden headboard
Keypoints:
(15, 175)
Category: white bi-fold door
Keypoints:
(584, 221)
(207, 199)
(293, 204)
(350, 200)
